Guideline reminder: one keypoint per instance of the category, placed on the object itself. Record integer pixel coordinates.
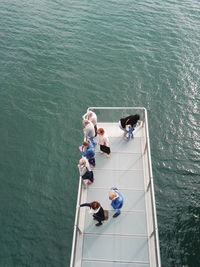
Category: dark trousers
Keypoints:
(92, 162)
(99, 216)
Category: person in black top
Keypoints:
(96, 210)
(128, 123)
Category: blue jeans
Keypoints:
(92, 141)
(130, 132)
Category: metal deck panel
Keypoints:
(121, 145)
(115, 248)
(112, 264)
(119, 161)
(128, 223)
(132, 179)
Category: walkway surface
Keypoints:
(121, 241)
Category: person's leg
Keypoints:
(98, 219)
(92, 162)
(116, 214)
(99, 222)
(118, 211)
(130, 132)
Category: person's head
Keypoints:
(86, 143)
(89, 114)
(95, 205)
(100, 131)
(85, 122)
(112, 194)
(82, 161)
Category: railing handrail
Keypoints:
(152, 190)
(75, 225)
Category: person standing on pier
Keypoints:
(89, 132)
(96, 210)
(129, 124)
(91, 116)
(87, 150)
(103, 141)
(116, 200)
(85, 171)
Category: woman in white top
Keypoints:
(103, 141)
(91, 116)
(96, 210)
(85, 171)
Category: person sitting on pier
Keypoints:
(89, 132)
(96, 210)
(103, 141)
(87, 150)
(85, 171)
(129, 124)
(116, 200)
(91, 116)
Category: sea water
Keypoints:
(57, 59)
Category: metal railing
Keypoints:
(76, 228)
(151, 186)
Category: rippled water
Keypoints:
(58, 58)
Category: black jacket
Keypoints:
(130, 120)
(99, 215)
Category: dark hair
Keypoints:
(95, 205)
(137, 116)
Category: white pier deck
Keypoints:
(131, 239)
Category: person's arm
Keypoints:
(85, 116)
(94, 118)
(85, 205)
(85, 132)
(84, 153)
(82, 170)
(106, 141)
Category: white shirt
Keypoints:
(103, 140)
(89, 130)
(93, 118)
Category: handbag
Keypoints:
(106, 215)
(105, 149)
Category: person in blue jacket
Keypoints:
(116, 200)
(87, 150)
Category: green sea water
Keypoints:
(60, 57)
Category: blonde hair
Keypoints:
(82, 161)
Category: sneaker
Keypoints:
(98, 224)
(116, 214)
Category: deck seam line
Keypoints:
(117, 261)
(121, 188)
(118, 235)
